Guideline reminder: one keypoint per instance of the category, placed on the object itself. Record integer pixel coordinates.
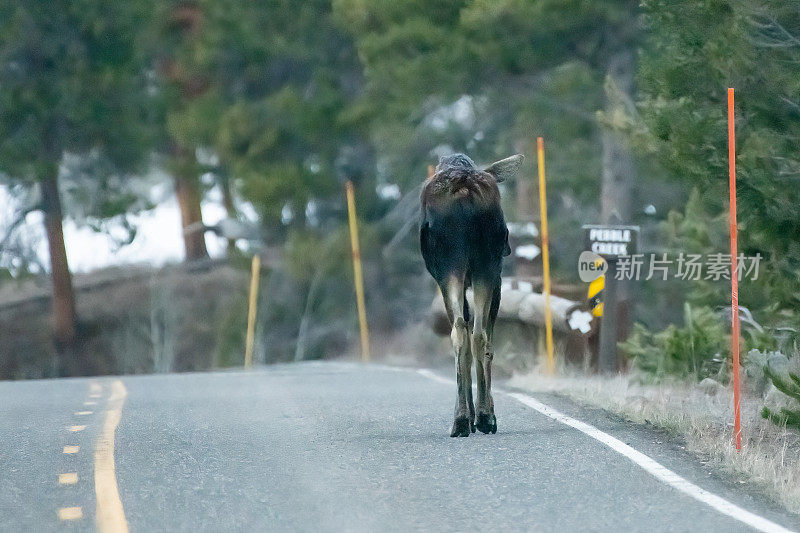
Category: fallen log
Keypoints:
(519, 302)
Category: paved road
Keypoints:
(331, 447)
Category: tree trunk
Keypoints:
(194, 241)
(526, 210)
(227, 202)
(64, 315)
(618, 166)
(187, 189)
(618, 178)
(524, 204)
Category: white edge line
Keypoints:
(652, 467)
(430, 375)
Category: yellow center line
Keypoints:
(110, 514)
(70, 513)
(69, 478)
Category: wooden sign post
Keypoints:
(611, 243)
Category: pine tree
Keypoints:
(72, 83)
(264, 87)
(695, 51)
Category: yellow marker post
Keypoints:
(251, 314)
(358, 276)
(548, 316)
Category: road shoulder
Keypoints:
(672, 445)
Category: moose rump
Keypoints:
(463, 239)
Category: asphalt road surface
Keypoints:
(339, 447)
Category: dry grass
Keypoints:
(770, 456)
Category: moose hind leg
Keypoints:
(459, 335)
(483, 352)
(462, 418)
(467, 370)
(486, 421)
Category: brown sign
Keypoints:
(611, 241)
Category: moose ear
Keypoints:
(505, 168)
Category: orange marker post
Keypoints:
(548, 316)
(737, 406)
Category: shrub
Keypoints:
(782, 404)
(698, 349)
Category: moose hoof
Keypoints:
(461, 427)
(487, 423)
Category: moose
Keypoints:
(463, 238)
